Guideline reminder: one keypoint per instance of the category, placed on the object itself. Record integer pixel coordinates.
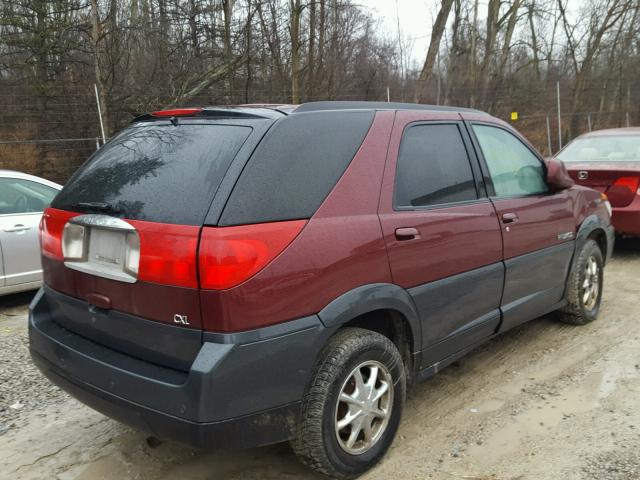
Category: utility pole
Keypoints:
(104, 138)
(559, 118)
(549, 136)
(439, 78)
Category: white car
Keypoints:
(23, 198)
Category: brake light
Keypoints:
(51, 227)
(630, 183)
(177, 112)
(167, 253)
(232, 255)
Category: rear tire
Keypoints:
(584, 286)
(349, 418)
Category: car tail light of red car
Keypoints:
(51, 227)
(231, 255)
(169, 254)
(177, 112)
(630, 183)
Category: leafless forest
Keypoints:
(495, 55)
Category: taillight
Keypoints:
(231, 255)
(167, 253)
(51, 227)
(630, 183)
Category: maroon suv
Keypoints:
(251, 275)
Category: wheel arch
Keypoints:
(593, 228)
(362, 307)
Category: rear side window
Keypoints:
(295, 166)
(433, 167)
(159, 173)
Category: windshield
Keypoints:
(160, 173)
(622, 148)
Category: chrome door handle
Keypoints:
(17, 228)
(509, 217)
(407, 233)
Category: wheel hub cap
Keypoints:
(591, 284)
(364, 407)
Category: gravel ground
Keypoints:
(22, 387)
(545, 401)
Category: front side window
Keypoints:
(433, 167)
(18, 195)
(514, 169)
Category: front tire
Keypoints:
(352, 407)
(584, 287)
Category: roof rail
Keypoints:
(347, 105)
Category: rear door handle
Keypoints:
(509, 217)
(407, 233)
(17, 228)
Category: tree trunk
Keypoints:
(434, 46)
(311, 67)
(227, 9)
(295, 12)
(504, 54)
(472, 57)
(534, 41)
(97, 41)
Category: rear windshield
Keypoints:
(159, 173)
(621, 148)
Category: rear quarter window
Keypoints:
(157, 172)
(295, 166)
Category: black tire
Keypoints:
(576, 312)
(316, 442)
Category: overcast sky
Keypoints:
(417, 16)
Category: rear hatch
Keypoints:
(620, 181)
(120, 241)
(147, 241)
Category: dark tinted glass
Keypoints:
(433, 167)
(159, 173)
(295, 166)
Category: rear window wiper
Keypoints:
(101, 207)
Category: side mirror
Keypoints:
(558, 177)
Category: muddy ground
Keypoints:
(544, 401)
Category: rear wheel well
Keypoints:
(393, 325)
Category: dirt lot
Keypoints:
(545, 401)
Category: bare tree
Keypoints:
(434, 45)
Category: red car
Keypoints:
(609, 161)
(234, 277)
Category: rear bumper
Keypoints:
(626, 220)
(242, 390)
